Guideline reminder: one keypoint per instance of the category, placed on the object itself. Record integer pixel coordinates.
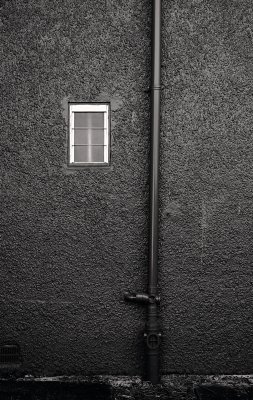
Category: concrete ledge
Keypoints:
(172, 387)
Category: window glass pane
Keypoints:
(88, 154)
(89, 119)
(89, 136)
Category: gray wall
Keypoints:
(75, 240)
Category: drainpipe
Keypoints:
(152, 334)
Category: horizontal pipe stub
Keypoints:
(141, 298)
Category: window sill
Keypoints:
(88, 167)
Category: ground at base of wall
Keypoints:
(172, 387)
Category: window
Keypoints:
(89, 134)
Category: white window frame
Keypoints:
(88, 108)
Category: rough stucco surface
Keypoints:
(206, 186)
(75, 240)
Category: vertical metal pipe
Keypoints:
(155, 139)
(152, 327)
(152, 334)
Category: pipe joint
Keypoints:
(155, 87)
(141, 298)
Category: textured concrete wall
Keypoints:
(75, 240)
(206, 186)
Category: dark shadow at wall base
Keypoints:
(172, 387)
(54, 391)
(223, 392)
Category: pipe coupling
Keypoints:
(141, 298)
